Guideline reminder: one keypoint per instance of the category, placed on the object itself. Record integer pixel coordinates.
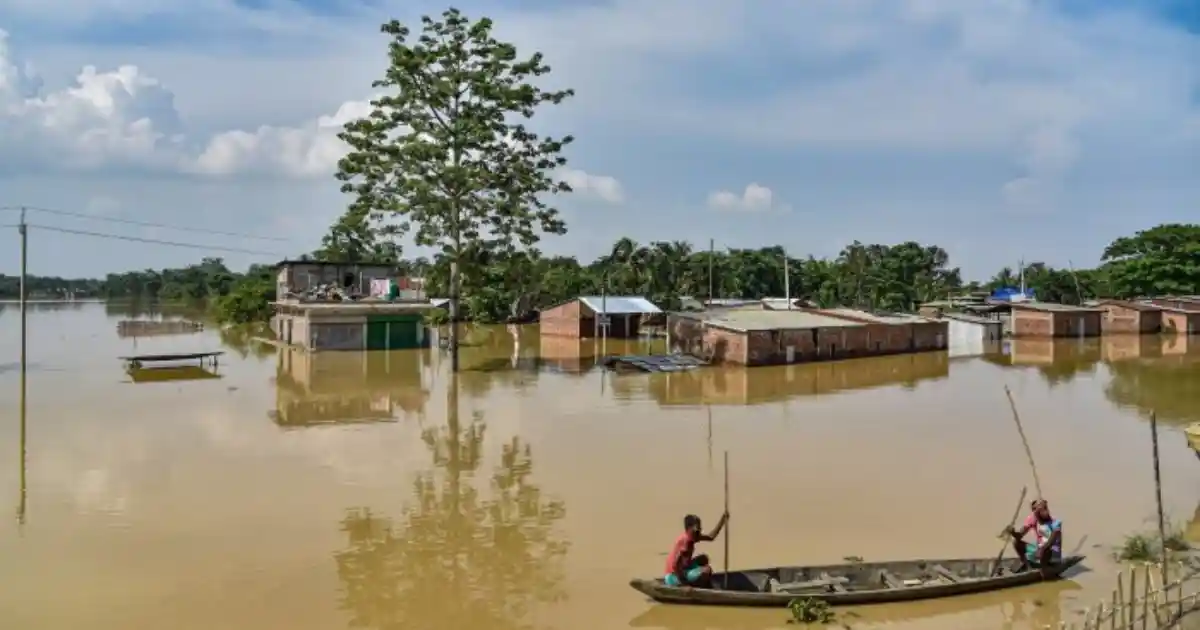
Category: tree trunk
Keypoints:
(454, 317)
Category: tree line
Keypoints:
(446, 160)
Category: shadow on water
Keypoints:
(1034, 607)
(465, 556)
(324, 388)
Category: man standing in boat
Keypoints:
(684, 570)
(1047, 529)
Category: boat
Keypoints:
(854, 583)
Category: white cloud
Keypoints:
(125, 118)
(755, 198)
(602, 186)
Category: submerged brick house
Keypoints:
(1047, 319)
(770, 337)
(1137, 318)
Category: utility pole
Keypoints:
(23, 229)
(711, 255)
(787, 281)
(454, 306)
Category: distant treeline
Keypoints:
(499, 285)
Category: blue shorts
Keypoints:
(694, 573)
(1031, 554)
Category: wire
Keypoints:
(138, 239)
(81, 215)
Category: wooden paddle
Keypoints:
(1008, 537)
(726, 576)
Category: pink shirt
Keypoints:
(1043, 530)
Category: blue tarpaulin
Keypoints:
(1006, 294)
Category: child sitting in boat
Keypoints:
(1048, 532)
(683, 569)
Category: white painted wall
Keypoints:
(968, 339)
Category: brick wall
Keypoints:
(1027, 323)
(1180, 322)
(564, 320)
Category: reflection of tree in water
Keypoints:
(1165, 386)
(456, 557)
(241, 340)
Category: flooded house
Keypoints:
(1179, 316)
(773, 337)
(971, 335)
(1135, 318)
(587, 316)
(344, 306)
(1047, 319)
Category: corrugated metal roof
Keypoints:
(873, 317)
(619, 304)
(1054, 307)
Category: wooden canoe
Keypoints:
(853, 584)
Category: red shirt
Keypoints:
(681, 551)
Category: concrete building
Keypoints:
(299, 277)
(1136, 318)
(1046, 319)
(971, 336)
(584, 316)
(361, 325)
(769, 337)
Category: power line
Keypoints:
(138, 239)
(164, 226)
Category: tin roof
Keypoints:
(619, 304)
(972, 319)
(1054, 307)
(1136, 306)
(758, 319)
(878, 318)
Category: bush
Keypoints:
(248, 301)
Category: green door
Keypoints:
(377, 335)
(403, 334)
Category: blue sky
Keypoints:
(999, 129)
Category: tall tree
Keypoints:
(1163, 260)
(445, 151)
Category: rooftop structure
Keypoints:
(748, 320)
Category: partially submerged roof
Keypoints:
(750, 320)
(972, 319)
(1054, 307)
(876, 318)
(1136, 306)
(619, 304)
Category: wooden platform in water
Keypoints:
(138, 360)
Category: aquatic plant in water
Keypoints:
(809, 610)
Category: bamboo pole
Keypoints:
(1132, 616)
(1006, 536)
(1118, 604)
(1146, 597)
(727, 522)
(1037, 483)
(1162, 521)
(1112, 618)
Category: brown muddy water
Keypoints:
(334, 491)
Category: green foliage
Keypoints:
(49, 287)
(1164, 260)
(248, 299)
(809, 610)
(443, 156)
(208, 279)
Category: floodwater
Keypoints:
(343, 491)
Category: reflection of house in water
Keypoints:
(743, 386)
(578, 356)
(348, 387)
(1180, 344)
(1083, 353)
(1128, 347)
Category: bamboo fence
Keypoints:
(1138, 603)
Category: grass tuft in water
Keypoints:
(809, 611)
(1148, 547)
